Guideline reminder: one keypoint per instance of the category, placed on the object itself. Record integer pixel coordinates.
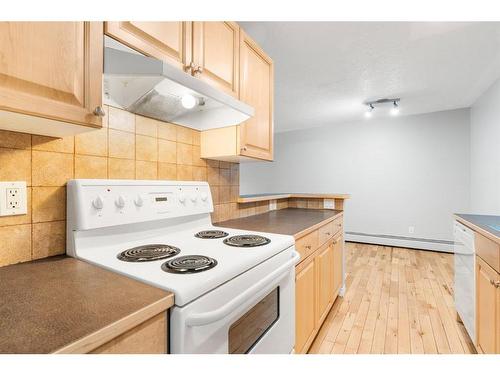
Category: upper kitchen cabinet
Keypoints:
(216, 54)
(51, 77)
(167, 41)
(256, 89)
(252, 139)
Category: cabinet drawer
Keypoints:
(488, 250)
(308, 244)
(326, 232)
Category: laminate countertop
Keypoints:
(296, 222)
(61, 304)
(487, 225)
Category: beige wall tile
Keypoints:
(51, 168)
(15, 165)
(15, 140)
(49, 203)
(146, 126)
(146, 148)
(199, 173)
(184, 154)
(216, 214)
(225, 177)
(225, 194)
(16, 244)
(167, 151)
(167, 171)
(167, 131)
(213, 163)
(121, 120)
(234, 211)
(146, 170)
(185, 135)
(49, 239)
(184, 172)
(235, 193)
(235, 174)
(224, 165)
(121, 144)
(91, 166)
(314, 203)
(42, 143)
(94, 142)
(225, 211)
(197, 160)
(121, 168)
(18, 219)
(213, 175)
(214, 190)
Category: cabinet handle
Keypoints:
(497, 284)
(328, 233)
(308, 246)
(98, 111)
(189, 68)
(197, 70)
(243, 148)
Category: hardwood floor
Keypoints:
(397, 301)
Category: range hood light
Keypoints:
(188, 101)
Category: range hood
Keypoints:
(152, 88)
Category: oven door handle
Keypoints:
(215, 315)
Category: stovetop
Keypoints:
(229, 261)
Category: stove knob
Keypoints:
(120, 201)
(98, 203)
(182, 198)
(139, 202)
(204, 197)
(194, 198)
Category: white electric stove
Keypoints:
(234, 289)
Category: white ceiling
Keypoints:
(324, 71)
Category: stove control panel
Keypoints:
(102, 203)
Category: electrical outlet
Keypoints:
(411, 229)
(272, 205)
(13, 198)
(329, 203)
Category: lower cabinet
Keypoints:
(318, 279)
(487, 308)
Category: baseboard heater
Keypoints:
(400, 241)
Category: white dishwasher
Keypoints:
(465, 277)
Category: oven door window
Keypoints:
(247, 330)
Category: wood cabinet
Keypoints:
(167, 41)
(324, 272)
(256, 89)
(216, 54)
(252, 139)
(318, 280)
(305, 306)
(487, 308)
(149, 337)
(51, 77)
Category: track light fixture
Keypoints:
(382, 103)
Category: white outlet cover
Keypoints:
(21, 207)
(272, 205)
(329, 203)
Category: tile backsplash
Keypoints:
(127, 147)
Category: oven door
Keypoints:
(252, 313)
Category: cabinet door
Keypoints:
(324, 272)
(486, 308)
(166, 41)
(52, 70)
(305, 316)
(256, 89)
(338, 260)
(216, 51)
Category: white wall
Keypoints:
(401, 172)
(485, 152)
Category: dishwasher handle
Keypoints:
(215, 315)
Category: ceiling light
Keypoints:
(395, 109)
(188, 101)
(369, 111)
